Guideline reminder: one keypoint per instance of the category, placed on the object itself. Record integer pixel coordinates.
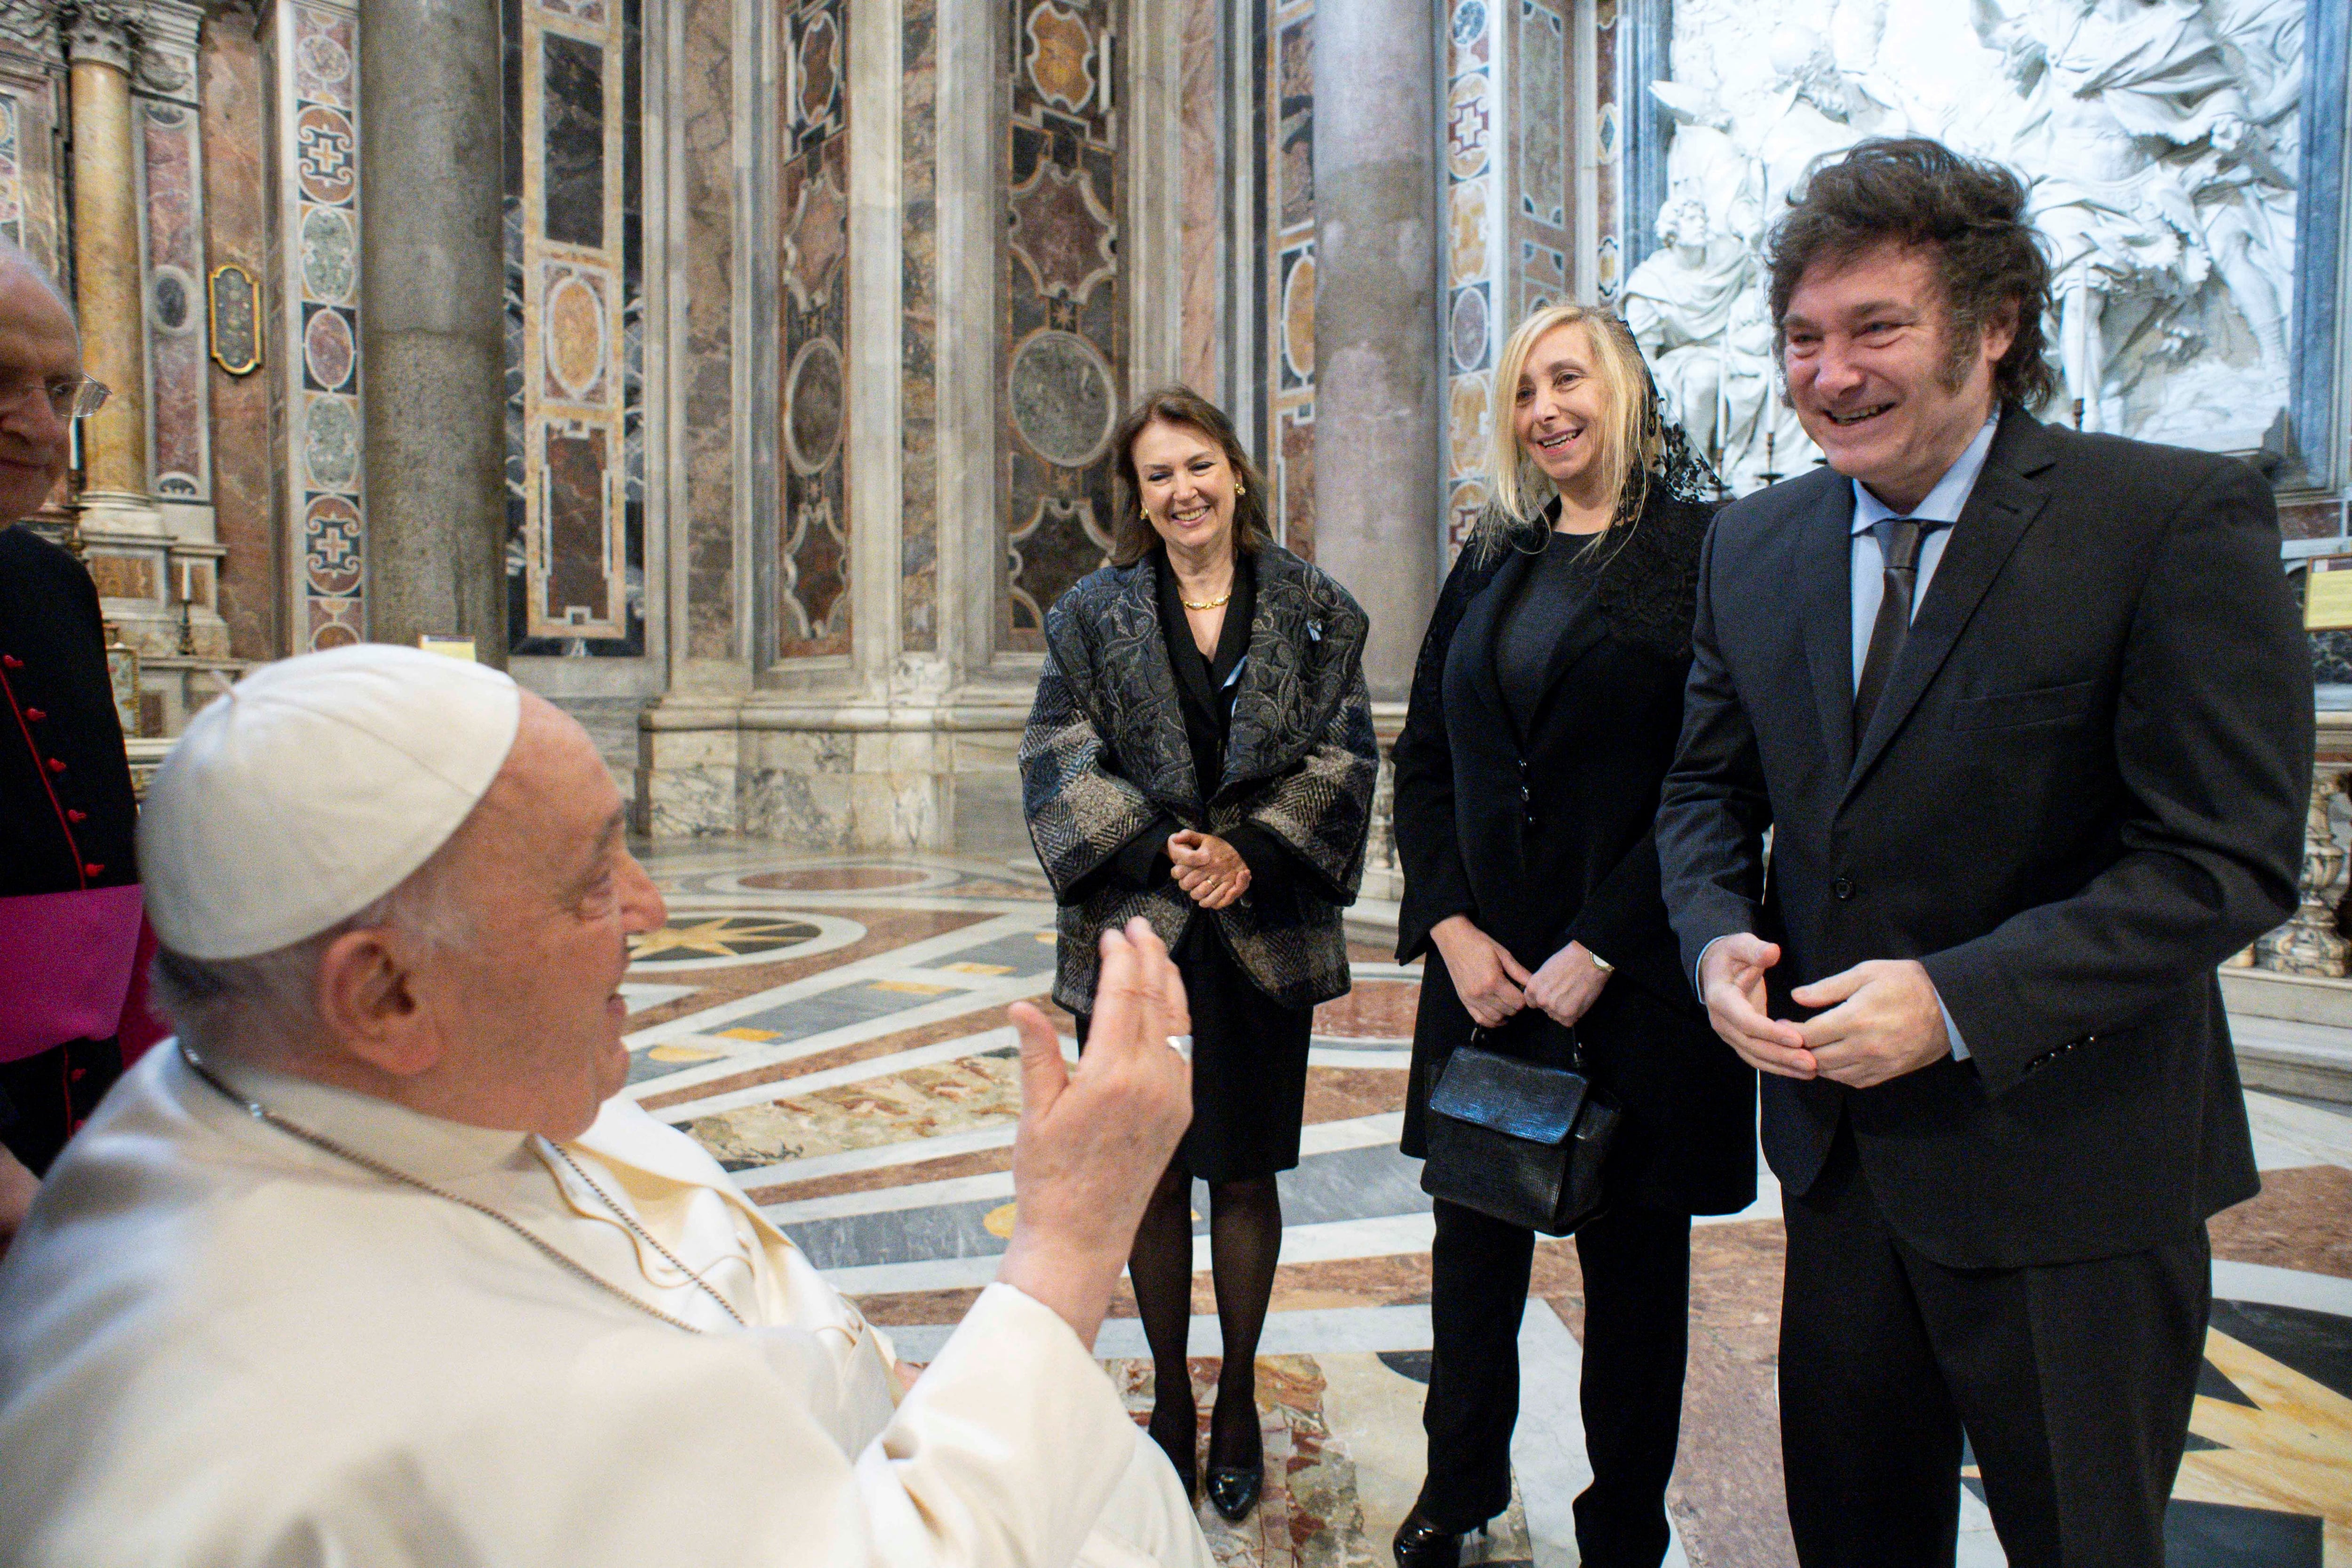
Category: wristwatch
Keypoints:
(1599, 963)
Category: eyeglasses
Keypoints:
(69, 397)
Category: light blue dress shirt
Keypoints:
(1942, 505)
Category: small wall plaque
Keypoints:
(236, 298)
(2327, 594)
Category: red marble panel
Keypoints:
(175, 302)
(2312, 520)
(237, 219)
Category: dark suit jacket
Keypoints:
(2084, 786)
(1546, 838)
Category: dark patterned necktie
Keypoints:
(1889, 632)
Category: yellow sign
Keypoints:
(2327, 594)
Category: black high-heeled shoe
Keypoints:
(1233, 1489)
(1179, 1442)
(1422, 1545)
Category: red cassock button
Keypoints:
(36, 715)
(56, 766)
(92, 868)
(74, 816)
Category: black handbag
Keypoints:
(1519, 1141)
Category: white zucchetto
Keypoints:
(314, 787)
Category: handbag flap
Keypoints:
(1515, 1098)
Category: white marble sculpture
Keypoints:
(2158, 138)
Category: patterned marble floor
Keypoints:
(832, 1030)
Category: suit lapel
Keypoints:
(1825, 577)
(2000, 509)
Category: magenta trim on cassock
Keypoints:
(64, 967)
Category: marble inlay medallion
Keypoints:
(1061, 56)
(328, 353)
(1466, 328)
(332, 554)
(330, 443)
(1298, 319)
(329, 254)
(814, 406)
(1062, 398)
(574, 333)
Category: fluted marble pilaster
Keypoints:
(101, 38)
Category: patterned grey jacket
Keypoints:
(1105, 753)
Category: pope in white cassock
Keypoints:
(373, 1267)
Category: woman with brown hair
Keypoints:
(1545, 712)
(1201, 754)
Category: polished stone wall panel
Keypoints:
(236, 156)
(315, 57)
(918, 525)
(813, 541)
(1201, 210)
(572, 127)
(1062, 333)
(179, 429)
(707, 132)
(1289, 279)
(575, 309)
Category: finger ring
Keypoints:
(1181, 1044)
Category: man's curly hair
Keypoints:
(1916, 191)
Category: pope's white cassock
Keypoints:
(323, 1367)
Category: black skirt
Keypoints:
(1249, 1065)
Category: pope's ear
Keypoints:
(368, 1005)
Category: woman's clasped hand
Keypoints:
(1210, 871)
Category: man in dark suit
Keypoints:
(2028, 712)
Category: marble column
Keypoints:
(432, 323)
(1378, 420)
(99, 42)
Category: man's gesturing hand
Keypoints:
(1093, 1142)
(1884, 1020)
(1485, 974)
(1731, 983)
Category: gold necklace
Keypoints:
(262, 1113)
(1217, 603)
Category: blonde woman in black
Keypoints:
(1545, 712)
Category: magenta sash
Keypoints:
(64, 967)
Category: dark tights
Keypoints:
(1244, 1242)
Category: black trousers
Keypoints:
(2074, 1383)
(45, 1096)
(1636, 1264)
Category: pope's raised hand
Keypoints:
(1093, 1142)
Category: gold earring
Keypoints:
(1241, 489)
